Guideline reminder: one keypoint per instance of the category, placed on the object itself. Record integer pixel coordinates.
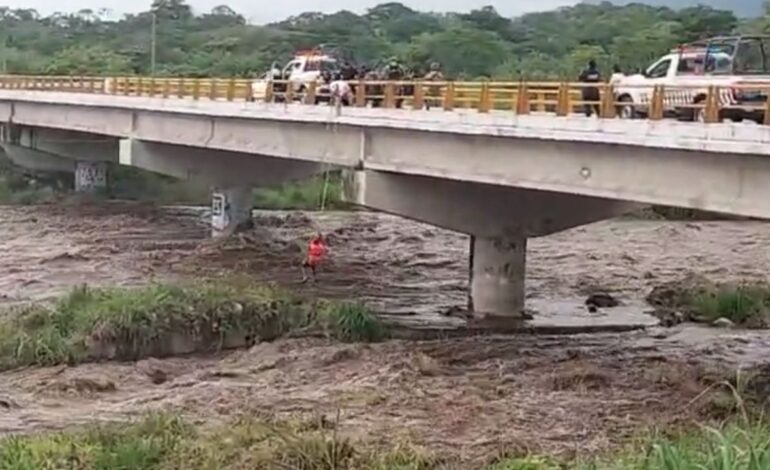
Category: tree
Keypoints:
(550, 44)
(461, 50)
(174, 10)
(487, 19)
(80, 60)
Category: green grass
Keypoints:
(743, 304)
(304, 195)
(89, 324)
(738, 445)
(139, 185)
(165, 442)
(354, 322)
(734, 446)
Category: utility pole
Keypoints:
(4, 56)
(154, 43)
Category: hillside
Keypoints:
(480, 42)
(742, 8)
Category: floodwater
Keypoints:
(467, 397)
(399, 267)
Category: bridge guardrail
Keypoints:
(711, 103)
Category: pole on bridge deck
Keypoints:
(607, 109)
(153, 43)
(522, 99)
(767, 107)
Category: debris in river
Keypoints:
(601, 300)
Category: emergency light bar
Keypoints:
(692, 48)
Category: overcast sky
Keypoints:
(263, 11)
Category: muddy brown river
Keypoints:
(469, 397)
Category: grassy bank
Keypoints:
(745, 304)
(730, 447)
(169, 442)
(163, 320)
(311, 194)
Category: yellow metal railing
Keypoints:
(708, 103)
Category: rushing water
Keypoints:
(471, 395)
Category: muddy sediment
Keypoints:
(471, 397)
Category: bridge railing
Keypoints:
(692, 102)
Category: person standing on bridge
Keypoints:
(434, 91)
(590, 95)
(316, 252)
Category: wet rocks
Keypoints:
(85, 385)
(669, 319)
(601, 300)
(155, 370)
(677, 294)
(426, 365)
(7, 403)
(723, 323)
(341, 355)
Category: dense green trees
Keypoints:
(473, 44)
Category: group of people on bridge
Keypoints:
(342, 83)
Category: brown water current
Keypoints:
(466, 396)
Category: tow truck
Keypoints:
(306, 67)
(733, 64)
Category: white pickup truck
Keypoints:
(299, 73)
(732, 64)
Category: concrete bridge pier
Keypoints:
(497, 273)
(230, 210)
(498, 218)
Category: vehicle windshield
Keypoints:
(718, 63)
(751, 56)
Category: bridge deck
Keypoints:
(740, 138)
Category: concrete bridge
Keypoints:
(500, 177)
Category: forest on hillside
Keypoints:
(468, 45)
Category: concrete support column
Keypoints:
(230, 210)
(497, 276)
(90, 176)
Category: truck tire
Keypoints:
(626, 108)
(693, 114)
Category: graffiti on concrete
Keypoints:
(90, 176)
(220, 216)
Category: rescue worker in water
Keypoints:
(316, 251)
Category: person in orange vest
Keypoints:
(316, 251)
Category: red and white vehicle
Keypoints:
(738, 66)
(304, 68)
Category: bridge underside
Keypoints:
(230, 175)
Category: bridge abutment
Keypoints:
(497, 276)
